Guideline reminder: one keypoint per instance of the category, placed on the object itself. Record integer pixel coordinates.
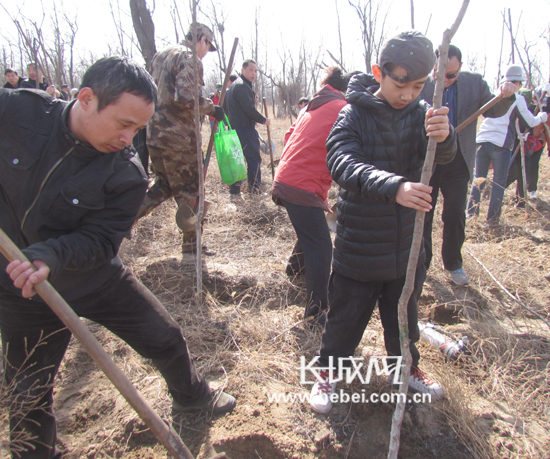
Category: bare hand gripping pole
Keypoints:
(165, 434)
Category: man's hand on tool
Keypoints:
(219, 113)
(507, 89)
(24, 277)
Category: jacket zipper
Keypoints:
(43, 184)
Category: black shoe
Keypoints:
(216, 403)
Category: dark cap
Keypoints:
(410, 50)
(202, 30)
(64, 85)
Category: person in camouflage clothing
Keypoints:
(171, 136)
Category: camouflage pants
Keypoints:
(177, 176)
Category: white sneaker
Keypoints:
(319, 399)
(419, 382)
(533, 194)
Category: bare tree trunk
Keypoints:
(339, 35)
(408, 288)
(145, 30)
(511, 36)
(412, 14)
(501, 46)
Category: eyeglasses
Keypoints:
(451, 76)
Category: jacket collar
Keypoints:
(249, 83)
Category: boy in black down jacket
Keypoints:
(376, 151)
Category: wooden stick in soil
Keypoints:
(165, 434)
(399, 412)
(200, 168)
(269, 142)
(523, 170)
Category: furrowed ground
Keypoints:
(247, 336)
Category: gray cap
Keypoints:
(513, 73)
(412, 51)
(202, 30)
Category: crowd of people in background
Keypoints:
(37, 80)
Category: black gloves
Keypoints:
(219, 113)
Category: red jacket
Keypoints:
(303, 162)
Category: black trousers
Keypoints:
(251, 150)
(351, 304)
(314, 239)
(452, 179)
(34, 342)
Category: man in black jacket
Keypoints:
(70, 188)
(13, 79)
(36, 80)
(241, 109)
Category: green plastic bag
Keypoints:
(230, 154)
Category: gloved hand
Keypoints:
(219, 113)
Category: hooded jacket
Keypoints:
(61, 201)
(372, 149)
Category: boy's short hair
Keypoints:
(8, 70)
(233, 77)
(410, 50)
(110, 77)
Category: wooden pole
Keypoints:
(408, 288)
(523, 170)
(222, 98)
(481, 111)
(200, 163)
(269, 141)
(165, 434)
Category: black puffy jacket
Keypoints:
(372, 148)
(61, 201)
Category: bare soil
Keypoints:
(247, 336)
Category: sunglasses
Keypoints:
(451, 76)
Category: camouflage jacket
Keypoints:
(172, 125)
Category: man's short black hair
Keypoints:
(248, 61)
(233, 77)
(303, 100)
(453, 52)
(110, 77)
(8, 70)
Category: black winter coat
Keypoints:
(240, 105)
(61, 201)
(372, 148)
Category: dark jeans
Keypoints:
(500, 157)
(123, 306)
(251, 150)
(452, 179)
(531, 169)
(313, 234)
(351, 306)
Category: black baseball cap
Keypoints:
(410, 50)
